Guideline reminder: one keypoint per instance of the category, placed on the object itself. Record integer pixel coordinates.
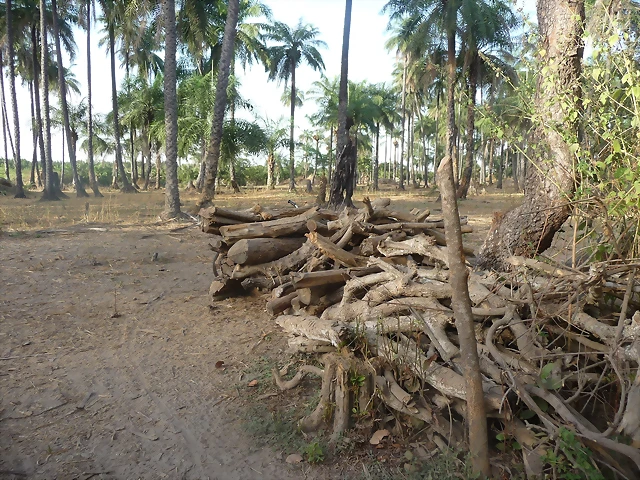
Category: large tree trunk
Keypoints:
(172, 195)
(271, 166)
(34, 137)
(465, 181)
(343, 177)
(14, 101)
(50, 192)
(62, 85)
(213, 151)
(292, 124)
(529, 229)
(126, 186)
(92, 172)
(376, 160)
(36, 95)
(4, 142)
(458, 279)
(404, 114)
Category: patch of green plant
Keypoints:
(314, 452)
(572, 460)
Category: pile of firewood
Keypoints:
(369, 288)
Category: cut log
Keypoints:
(277, 267)
(278, 305)
(247, 216)
(332, 251)
(325, 302)
(306, 345)
(420, 244)
(254, 251)
(309, 296)
(327, 277)
(369, 246)
(318, 226)
(275, 228)
(417, 226)
(222, 287)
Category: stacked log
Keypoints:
(375, 281)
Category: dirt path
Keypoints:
(86, 393)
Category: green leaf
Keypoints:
(527, 414)
(500, 436)
(617, 147)
(546, 371)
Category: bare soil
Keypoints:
(109, 348)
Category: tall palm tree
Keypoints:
(62, 85)
(493, 32)
(50, 192)
(92, 172)
(344, 177)
(385, 101)
(226, 58)
(291, 47)
(111, 12)
(276, 137)
(172, 195)
(14, 101)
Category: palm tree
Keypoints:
(226, 58)
(292, 47)
(276, 137)
(172, 195)
(92, 172)
(344, 177)
(111, 13)
(62, 85)
(385, 102)
(493, 32)
(14, 101)
(50, 192)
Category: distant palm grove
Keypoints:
(464, 84)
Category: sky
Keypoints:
(368, 60)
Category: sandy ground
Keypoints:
(108, 355)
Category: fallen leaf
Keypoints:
(219, 364)
(378, 436)
(294, 458)
(252, 383)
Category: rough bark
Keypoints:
(404, 114)
(465, 181)
(14, 101)
(261, 250)
(529, 229)
(62, 85)
(224, 68)
(93, 183)
(49, 187)
(172, 195)
(344, 174)
(126, 185)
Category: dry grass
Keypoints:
(143, 208)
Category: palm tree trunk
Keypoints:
(80, 191)
(5, 115)
(158, 166)
(14, 101)
(376, 159)
(330, 166)
(62, 166)
(404, 114)
(172, 195)
(36, 94)
(50, 191)
(500, 172)
(126, 186)
(292, 166)
(465, 182)
(92, 172)
(458, 279)
(34, 137)
(226, 56)
(271, 166)
(6, 153)
(342, 185)
(203, 165)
